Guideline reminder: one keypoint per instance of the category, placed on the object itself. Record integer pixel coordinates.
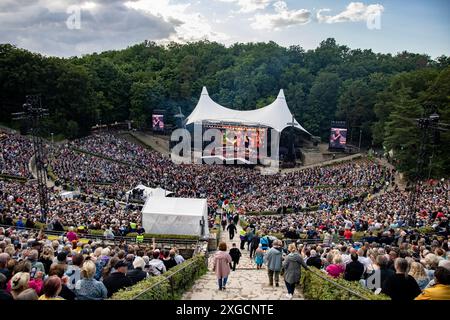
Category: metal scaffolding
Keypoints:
(32, 113)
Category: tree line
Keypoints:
(376, 93)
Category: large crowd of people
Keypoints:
(19, 202)
(403, 264)
(328, 205)
(248, 189)
(373, 214)
(15, 154)
(34, 267)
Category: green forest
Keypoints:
(377, 93)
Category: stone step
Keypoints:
(246, 283)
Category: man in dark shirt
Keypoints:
(169, 259)
(118, 279)
(57, 226)
(235, 254)
(311, 233)
(354, 270)
(231, 229)
(291, 234)
(401, 286)
(254, 245)
(138, 273)
(314, 260)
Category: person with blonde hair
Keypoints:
(292, 269)
(35, 282)
(47, 257)
(440, 290)
(87, 288)
(431, 262)
(19, 283)
(336, 269)
(417, 271)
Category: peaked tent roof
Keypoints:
(276, 115)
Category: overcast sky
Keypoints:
(52, 27)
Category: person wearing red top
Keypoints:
(348, 234)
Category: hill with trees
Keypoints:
(372, 91)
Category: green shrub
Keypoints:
(97, 155)
(51, 173)
(164, 236)
(40, 225)
(15, 178)
(243, 223)
(96, 232)
(168, 286)
(316, 288)
(277, 235)
(358, 235)
(426, 230)
(272, 213)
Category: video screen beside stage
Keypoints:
(338, 138)
(158, 122)
(240, 141)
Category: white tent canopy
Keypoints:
(150, 192)
(276, 115)
(69, 194)
(181, 216)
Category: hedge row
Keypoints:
(40, 225)
(316, 288)
(51, 173)
(15, 178)
(289, 210)
(168, 286)
(97, 155)
(164, 236)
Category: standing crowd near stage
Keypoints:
(345, 210)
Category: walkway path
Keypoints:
(32, 167)
(246, 283)
(158, 144)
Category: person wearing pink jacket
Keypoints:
(221, 265)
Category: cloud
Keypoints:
(188, 26)
(355, 11)
(40, 25)
(247, 6)
(283, 17)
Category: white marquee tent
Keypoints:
(276, 115)
(161, 215)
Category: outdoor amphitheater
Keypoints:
(242, 157)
